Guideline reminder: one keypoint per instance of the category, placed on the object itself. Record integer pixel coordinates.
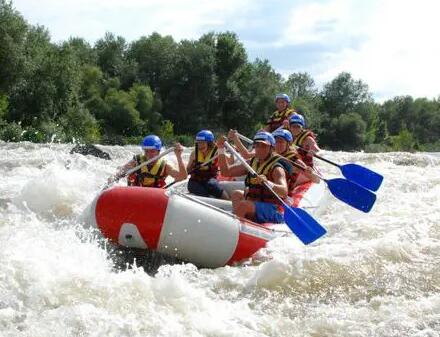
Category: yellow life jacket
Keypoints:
(292, 175)
(258, 192)
(299, 140)
(152, 175)
(208, 171)
(277, 118)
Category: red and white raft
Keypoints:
(183, 226)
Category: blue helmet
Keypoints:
(264, 137)
(205, 135)
(151, 142)
(297, 119)
(283, 133)
(283, 96)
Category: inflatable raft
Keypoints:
(198, 230)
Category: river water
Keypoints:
(375, 274)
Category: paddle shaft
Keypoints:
(318, 156)
(193, 170)
(134, 169)
(252, 171)
(250, 141)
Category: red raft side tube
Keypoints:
(177, 225)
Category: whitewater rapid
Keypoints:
(375, 274)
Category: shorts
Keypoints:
(207, 188)
(267, 212)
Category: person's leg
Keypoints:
(236, 197)
(197, 188)
(245, 209)
(214, 188)
(266, 212)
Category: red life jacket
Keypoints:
(258, 192)
(278, 117)
(152, 175)
(299, 140)
(292, 175)
(208, 171)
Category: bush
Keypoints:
(166, 131)
(11, 132)
(80, 125)
(404, 141)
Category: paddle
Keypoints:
(193, 170)
(134, 169)
(298, 220)
(356, 173)
(349, 192)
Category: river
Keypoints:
(375, 274)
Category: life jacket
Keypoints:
(152, 175)
(278, 117)
(292, 174)
(258, 192)
(299, 140)
(208, 171)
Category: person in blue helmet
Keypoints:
(203, 165)
(257, 203)
(304, 140)
(155, 173)
(280, 117)
(295, 175)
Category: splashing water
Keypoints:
(375, 274)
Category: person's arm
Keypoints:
(245, 153)
(310, 144)
(121, 171)
(190, 165)
(307, 171)
(226, 169)
(279, 183)
(181, 173)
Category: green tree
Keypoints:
(110, 52)
(300, 85)
(121, 116)
(343, 95)
(13, 30)
(192, 102)
(258, 84)
(155, 58)
(51, 85)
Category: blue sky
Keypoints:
(391, 45)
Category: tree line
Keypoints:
(115, 92)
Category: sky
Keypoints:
(391, 45)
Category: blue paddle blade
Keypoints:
(352, 194)
(303, 225)
(362, 176)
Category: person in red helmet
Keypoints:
(280, 117)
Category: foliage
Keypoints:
(117, 92)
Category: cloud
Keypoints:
(390, 45)
(130, 18)
(400, 55)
